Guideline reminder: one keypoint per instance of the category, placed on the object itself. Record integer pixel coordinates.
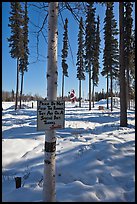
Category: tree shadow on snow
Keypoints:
(102, 164)
(22, 132)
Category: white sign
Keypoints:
(50, 115)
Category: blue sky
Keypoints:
(35, 79)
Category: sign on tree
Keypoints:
(50, 115)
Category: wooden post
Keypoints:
(18, 182)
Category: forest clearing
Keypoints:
(95, 157)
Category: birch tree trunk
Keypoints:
(123, 100)
(49, 191)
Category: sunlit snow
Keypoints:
(95, 157)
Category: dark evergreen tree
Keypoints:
(123, 95)
(95, 70)
(64, 54)
(25, 52)
(15, 40)
(90, 42)
(110, 55)
(128, 23)
(80, 57)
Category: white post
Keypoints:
(49, 191)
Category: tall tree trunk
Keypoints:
(90, 87)
(107, 92)
(17, 85)
(93, 98)
(21, 89)
(62, 85)
(111, 90)
(49, 191)
(80, 93)
(123, 100)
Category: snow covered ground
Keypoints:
(95, 157)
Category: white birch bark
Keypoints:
(49, 191)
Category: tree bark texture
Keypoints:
(49, 191)
(123, 95)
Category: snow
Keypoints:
(95, 157)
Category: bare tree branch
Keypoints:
(71, 10)
(38, 34)
(75, 8)
(43, 24)
(42, 5)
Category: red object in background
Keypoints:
(72, 96)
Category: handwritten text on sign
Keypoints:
(50, 115)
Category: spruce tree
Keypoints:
(95, 70)
(64, 54)
(90, 42)
(114, 71)
(123, 95)
(110, 55)
(15, 40)
(106, 52)
(80, 57)
(128, 23)
(25, 52)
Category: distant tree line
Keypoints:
(10, 96)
